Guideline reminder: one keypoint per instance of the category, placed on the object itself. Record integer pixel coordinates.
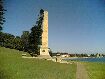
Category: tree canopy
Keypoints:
(36, 32)
(2, 19)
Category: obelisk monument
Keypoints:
(44, 51)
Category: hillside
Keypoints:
(13, 66)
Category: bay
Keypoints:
(102, 59)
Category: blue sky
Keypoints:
(75, 26)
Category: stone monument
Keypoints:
(44, 51)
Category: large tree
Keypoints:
(36, 32)
(2, 19)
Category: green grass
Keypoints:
(13, 66)
(95, 70)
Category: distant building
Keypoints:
(65, 55)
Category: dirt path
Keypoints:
(81, 72)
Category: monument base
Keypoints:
(44, 57)
(44, 53)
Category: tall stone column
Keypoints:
(44, 47)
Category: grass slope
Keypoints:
(12, 66)
(96, 70)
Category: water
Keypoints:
(88, 59)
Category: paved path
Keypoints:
(81, 72)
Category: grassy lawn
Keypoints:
(12, 66)
(96, 70)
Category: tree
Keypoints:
(36, 32)
(18, 43)
(35, 38)
(2, 19)
(25, 40)
(6, 40)
(10, 41)
(92, 55)
(50, 52)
